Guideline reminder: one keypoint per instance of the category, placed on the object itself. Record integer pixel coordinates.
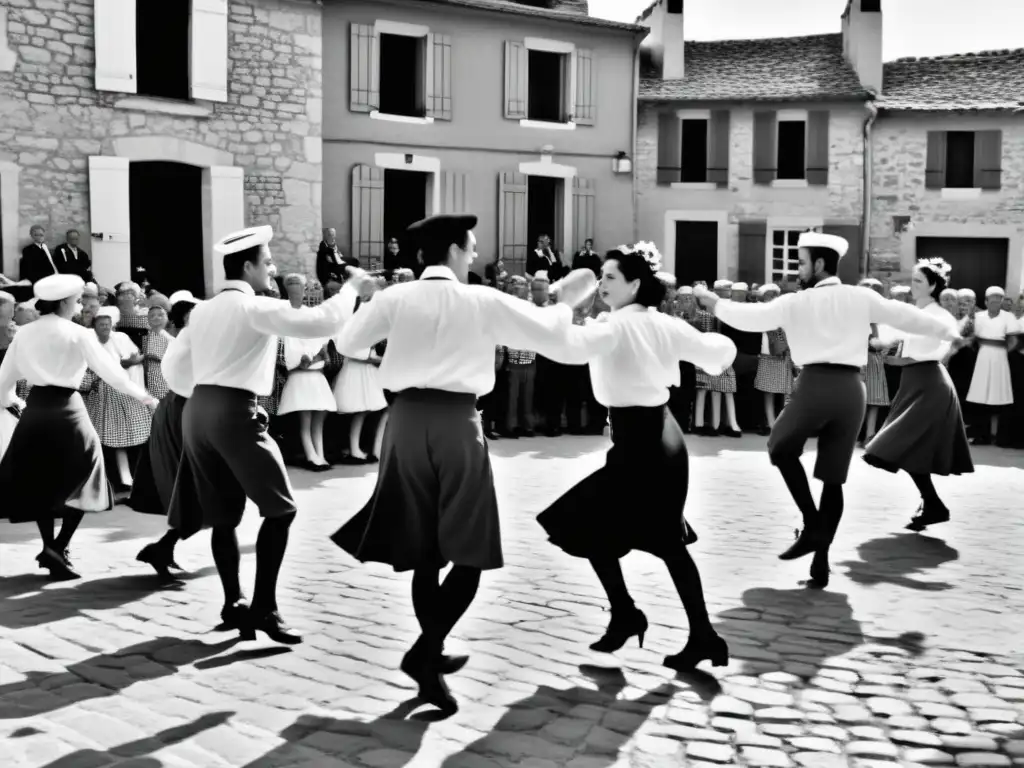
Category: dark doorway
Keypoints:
(978, 262)
(162, 49)
(405, 202)
(166, 219)
(402, 63)
(541, 210)
(696, 252)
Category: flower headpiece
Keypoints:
(650, 253)
(940, 267)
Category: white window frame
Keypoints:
(567, 49)
(402, 29)
(784, 225)
(791, 116)
(694, 114)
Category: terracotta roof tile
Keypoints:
(988, 80)
(810, 68)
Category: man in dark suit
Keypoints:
(72, 260)
(36, 260)
(587, 258)
(545, 259)
(331, 264)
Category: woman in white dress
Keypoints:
(8, 416)
(991, 384)
(357, 392)
(306, 390)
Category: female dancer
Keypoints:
(924, 434)
(52, 355)
(634, 358)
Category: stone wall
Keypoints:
(53, 119)
(899, 146)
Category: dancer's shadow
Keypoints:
(104, 675)
(544, 724)
(138, 751)
(798, 628)
(395, 732)
(896, 559)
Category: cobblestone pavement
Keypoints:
(909, 658)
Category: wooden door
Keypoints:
(978, 262)
(696, 252)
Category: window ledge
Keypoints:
(694, 185)
(790, 184)
(544, 124)
(163, 106)
(961, 193)
(407, 119)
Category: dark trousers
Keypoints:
(575, 394)
(519, 405)
(552, 380)
(597, 414)
(749, 403)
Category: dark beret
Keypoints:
(443, 230)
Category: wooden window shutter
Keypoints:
(935, 163)
(517, 80)
(454, 192)
(114, 39)
(817, 147)
(752, 256)
(109, 219)
(670, 148)
(718, 148)
(988, 159)
(583, 202)
(765, 151)
(364, 69)
(849, 265)
(210, 50)
(368, 216)
(585, 110)
(512, 245)
(439, 87)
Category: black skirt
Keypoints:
(434, 502)
(54, 460)
(158, 462)
(924, 433)
(603, 515)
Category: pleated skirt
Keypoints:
(158, 463)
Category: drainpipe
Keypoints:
(869, 122)
(636, 118)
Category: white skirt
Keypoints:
(991, 383)
(357, 388)
(8, 422)
(306, 391)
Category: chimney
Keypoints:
(862, 41)
(665, 41)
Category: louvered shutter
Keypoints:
(368, 216)
(817, 147)
(718, 148)
(765, 150)
(454, 192)
(364, 69)
(988, 159)
(517, 84)
(670, 148)
(935, 161)
(583, 209)
(751, 267)
(585, 110)
(512, 222)
(439, 88)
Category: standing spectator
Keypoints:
(36, 260)
(72, 260)
(154, 345)
(587, 258)
(545, 258)
(521, 369)
(395, 259)
(134, 318)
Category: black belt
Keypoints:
(833, 367)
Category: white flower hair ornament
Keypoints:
(941, 267)
(651, 255)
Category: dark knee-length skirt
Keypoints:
(924, 433)
(54, 461)
(158, 462)
(636, 500)
(434, 502)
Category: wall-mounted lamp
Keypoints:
(621, 163)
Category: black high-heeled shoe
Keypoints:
(58, 564)
(807, 542)
(620, 629)
(272, 625)
(820, 573)
(700, 648)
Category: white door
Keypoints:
(224, 200)
(110, 220)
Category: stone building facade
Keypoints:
(85, 143)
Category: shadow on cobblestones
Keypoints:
(104, 675)
(897, 559)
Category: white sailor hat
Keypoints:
(177, 296)
(768, 288)
(817, 239)
(541, 276)
(994, 290)
(58, 287)
(112, 312)
(899, 289)
(244, 239)
(720, 284)
(967, 293)
(685, 290)
(869, 282)
(740, 287)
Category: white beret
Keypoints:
(719, 284)
(816, 239)
(768, 287)
(994, 290)
(966, 293)
(899, 289)
(182, 296)
(58, 287)
(685, 290)
(740, 287)
(112, 312)
(246, 238)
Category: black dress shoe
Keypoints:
(446, 664)
(621, 628)
(59, 564)
(159, 558)
(234, 616)
(704, 648)
(272, 625)
(490, 434)
(731, 433)
(806, 543)
(820, 573)
(427, 675)
(928, 516)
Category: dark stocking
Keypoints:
(72, 517)
(46, 526)
(439, 607)
(169, 540)
(831, 514)
(609, 572)
(795, 477)
(927, 490)
(224, 545)
(686, 577)
(270, 547)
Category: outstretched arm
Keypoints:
(370, 325)
(520, 324)
(748, 317)
(279, 318)
(711, 352)
(910, 319)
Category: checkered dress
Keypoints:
(155, 345)
(874, 376)
(271, 401)
(705, 322)
(120, 420)
(775, 371)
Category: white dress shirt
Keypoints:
(831, 322)
(54, 352)
(233, 336)
(925, 348)
(441, 333)
(634, 354)
(179, 377)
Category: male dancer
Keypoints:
(434, 502)
(231, 345)
(826, 327)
